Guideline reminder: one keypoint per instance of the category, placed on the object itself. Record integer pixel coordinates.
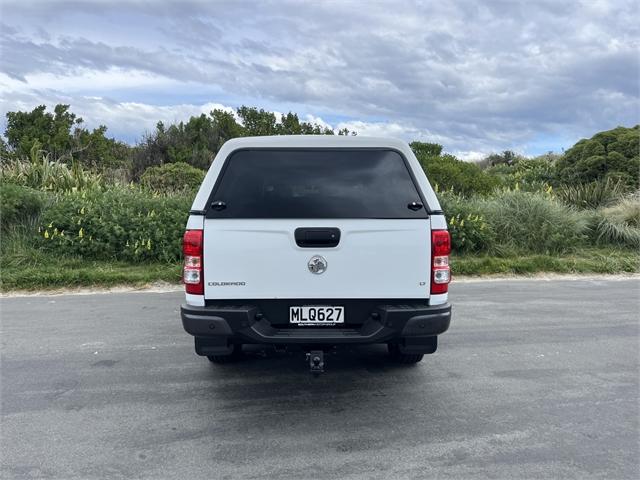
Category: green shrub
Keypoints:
(121, 223)
(19, 206)
(592, 195)
(468, 228)
(42, 173)
(613, 153)
(502, 171)
(172, 177)
(528, 174)
(618, 225)
(447, 173)
(534, 222)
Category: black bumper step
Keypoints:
(247, 324)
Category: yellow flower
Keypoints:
(51, 225)
(46, 234)
(149, 244)
(462, 223)
(81, 233)
(82, 211)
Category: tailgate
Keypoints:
(260, 259)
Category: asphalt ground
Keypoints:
(534, 379)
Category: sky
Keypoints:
(476, 77)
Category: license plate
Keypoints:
(311, 315)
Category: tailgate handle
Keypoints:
(317, 237)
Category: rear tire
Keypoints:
(403, 358)
(234, 356)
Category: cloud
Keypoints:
(475, 76)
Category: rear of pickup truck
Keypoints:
(316, 242)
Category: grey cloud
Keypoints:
(24, 56)
(484, 75)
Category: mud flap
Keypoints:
(213, 346)
(419, 345)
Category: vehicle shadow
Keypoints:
(266, 385)
(258, 360)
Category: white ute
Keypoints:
(316, 242)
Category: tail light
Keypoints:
(440, 250)
(192, 274)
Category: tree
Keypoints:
(4, 149)
(62, 135)
(195, 142)
(257, 122)
(94, 149)
(424, 149)
(507, 157)
(260, 122)
(290, 124)
(53, 132)
(226, 125)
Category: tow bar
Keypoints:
(316, 362)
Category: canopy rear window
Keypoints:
(315, 184)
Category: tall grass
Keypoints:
(42, 173)
(619, 224)
(18, 247)
(592, 195)
(20, 206)
(533, 222)
(627, 211)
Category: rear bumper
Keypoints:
(223, 325)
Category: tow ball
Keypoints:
(316, 362)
